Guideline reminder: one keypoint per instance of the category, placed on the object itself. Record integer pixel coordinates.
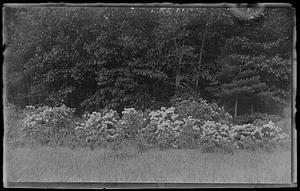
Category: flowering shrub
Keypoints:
(285, 125)
(245, 136)
(99, 128)
(202, 110)
(12, 123)
(273, 132)
(163, 129)
(47, 125)
(166, 129)
(248, 135)
(216, 131)
(216, 135)
(191, 132)
(256, 118)
(132, 121)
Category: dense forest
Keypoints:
(89, 58)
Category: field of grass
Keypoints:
(175, 166)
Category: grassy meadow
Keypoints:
(45, 164)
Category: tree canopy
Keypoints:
(96, 57)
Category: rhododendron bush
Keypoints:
(202, 110)
(99, 127)
(162, 129)
(240, 136)
(132, 122)
(256, 118)
(188, 124)
(48, 125)
(12, 121)
(166, 128)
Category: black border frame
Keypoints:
(78, 185)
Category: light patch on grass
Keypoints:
(187, 166)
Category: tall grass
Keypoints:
(104, 165)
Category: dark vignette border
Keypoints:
(78, 185)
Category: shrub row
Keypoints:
(188, 124)
(13, 120)
(48, 125)
(165, 128)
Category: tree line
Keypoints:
(90, 58)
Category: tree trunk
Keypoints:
(179, 55)
(178, 68)
(144, 99)
(201, 55)
(252, 106)
(71, 104)
(80, 93)
(176, 63)
(235, 106)
(69, 100)
(28, 88)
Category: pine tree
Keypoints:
(254, 68)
